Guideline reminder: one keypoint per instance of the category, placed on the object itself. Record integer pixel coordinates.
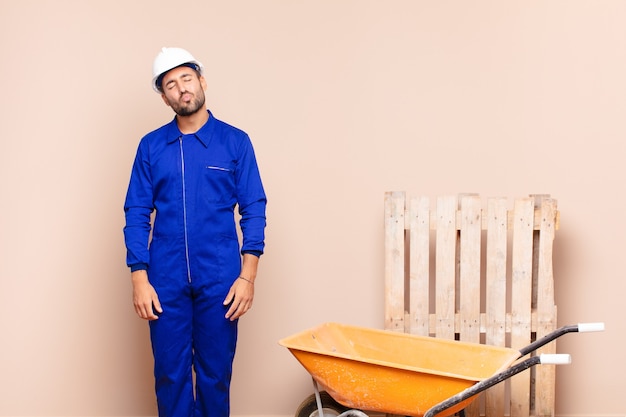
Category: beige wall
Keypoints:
(344, 100)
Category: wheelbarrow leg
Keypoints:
(318, 399)
(320, 406)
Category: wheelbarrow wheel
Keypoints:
(330, 407)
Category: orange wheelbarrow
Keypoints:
(379, 371)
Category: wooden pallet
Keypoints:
(480, 274)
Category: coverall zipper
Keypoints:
(182, 166)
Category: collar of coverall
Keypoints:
(203, 134)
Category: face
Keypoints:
(183, 91)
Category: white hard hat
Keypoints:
(170, 58)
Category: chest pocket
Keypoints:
(219, 181)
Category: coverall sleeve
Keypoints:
(252, 201)
(137, 209)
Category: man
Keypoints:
(191, 278)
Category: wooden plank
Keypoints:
(445, 267)
(419, 266)
(545, 280)
(510, 220)
(469, 271)
(546, 311)
(483, 322)
(521, 291)
(394, 260)
(469, 277)
(495, 293)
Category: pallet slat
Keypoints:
(445, 267)
(495, 293)
(469, 277)
(546, 311)
(521, 291)
(469, 272)
(394, 261)
(419, 267)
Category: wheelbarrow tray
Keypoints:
(393, 372)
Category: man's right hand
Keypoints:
(145, 298)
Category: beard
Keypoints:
(187, 109)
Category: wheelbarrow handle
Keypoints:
(555, 359)
(483, 385)
(544, 359)
(590, 327)
(581, 327)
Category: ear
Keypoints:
(165, 100)
(202, 82)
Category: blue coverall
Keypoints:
(193, 182)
